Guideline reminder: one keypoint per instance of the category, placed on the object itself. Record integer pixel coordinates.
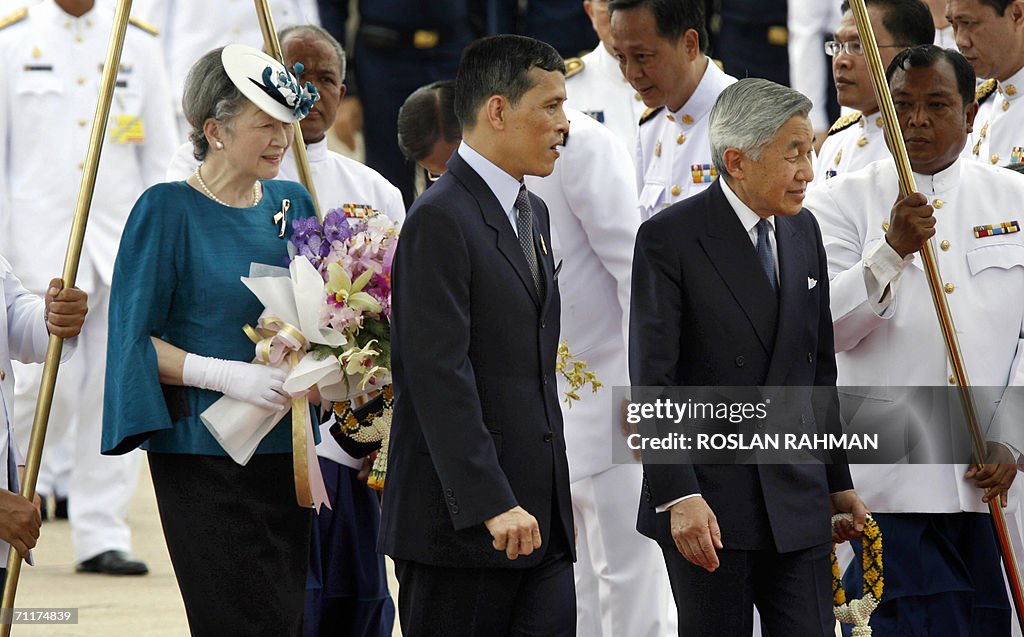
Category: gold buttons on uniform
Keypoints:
(687, 120)
(885, 226)
(878, 122)
(81, 165)
(78, 38)
(676, 190)
(1006, 106)
(82, 122)
(862, 142)
(637, 97)
(671, 117)
(80, 79)
(952, 379)
(944, 245)
(657, 149)
(994, 158)
(1011, 90)
(938, 203)
(3, 375)
(681, 138)
(949, 287)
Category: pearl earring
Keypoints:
(219, 145)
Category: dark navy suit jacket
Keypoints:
(477, 426)
(702, 314)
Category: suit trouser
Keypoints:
(792, 592)
(622, 586)
(101, 487)
(439, 601)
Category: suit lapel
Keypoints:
(732, 254)
(793, 269)
(495, 217)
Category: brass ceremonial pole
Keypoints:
(894, 137)
(273, 47)
(71, 259)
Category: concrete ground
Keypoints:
(146, 606)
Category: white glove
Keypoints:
(258, 385)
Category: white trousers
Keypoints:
(101, 487)
(622, 585)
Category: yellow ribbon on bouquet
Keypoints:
(276, 342)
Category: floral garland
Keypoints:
(858, 611)
(576, 373)
(362, 430)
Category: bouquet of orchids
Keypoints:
(352, 250)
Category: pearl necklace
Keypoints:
(257, 192)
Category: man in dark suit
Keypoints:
(730, 288)
(477, 513)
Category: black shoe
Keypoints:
(113, 563)
(60, 511)
(43, 514)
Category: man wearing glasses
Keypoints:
(858, 139)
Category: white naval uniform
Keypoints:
(23, 337)
(895, 340)
(809, 23)
(856, 142)
(190, 28)
(49, 84)
(600, 90)
(622, 586)
(669, 145)
(998, 136)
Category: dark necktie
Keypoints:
(524, 226)
(764, 253)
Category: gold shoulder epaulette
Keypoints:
(649, 114)
(573, 66)
(13, 18)
(145, 26)
(986, 88)
(845, 122)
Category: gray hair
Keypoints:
(319, 33)
(748, 115)
(209, 94)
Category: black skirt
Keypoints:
(238, 541)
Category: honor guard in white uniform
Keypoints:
(622, 585)
(810, 23)
(992, 41)
(190, 28)
(594, 83)
(887, 334)
(49, 86)
(857, 139)
(679, 84)
(673, 153)
(24, 336)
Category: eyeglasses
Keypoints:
(833, 48)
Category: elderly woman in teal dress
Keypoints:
(237, 538)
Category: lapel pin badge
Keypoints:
(281, 216)
(811, 282)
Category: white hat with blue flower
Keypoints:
(267, 83)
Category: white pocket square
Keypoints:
(811, 283)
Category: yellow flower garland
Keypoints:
(858, 611)
(576, 373)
